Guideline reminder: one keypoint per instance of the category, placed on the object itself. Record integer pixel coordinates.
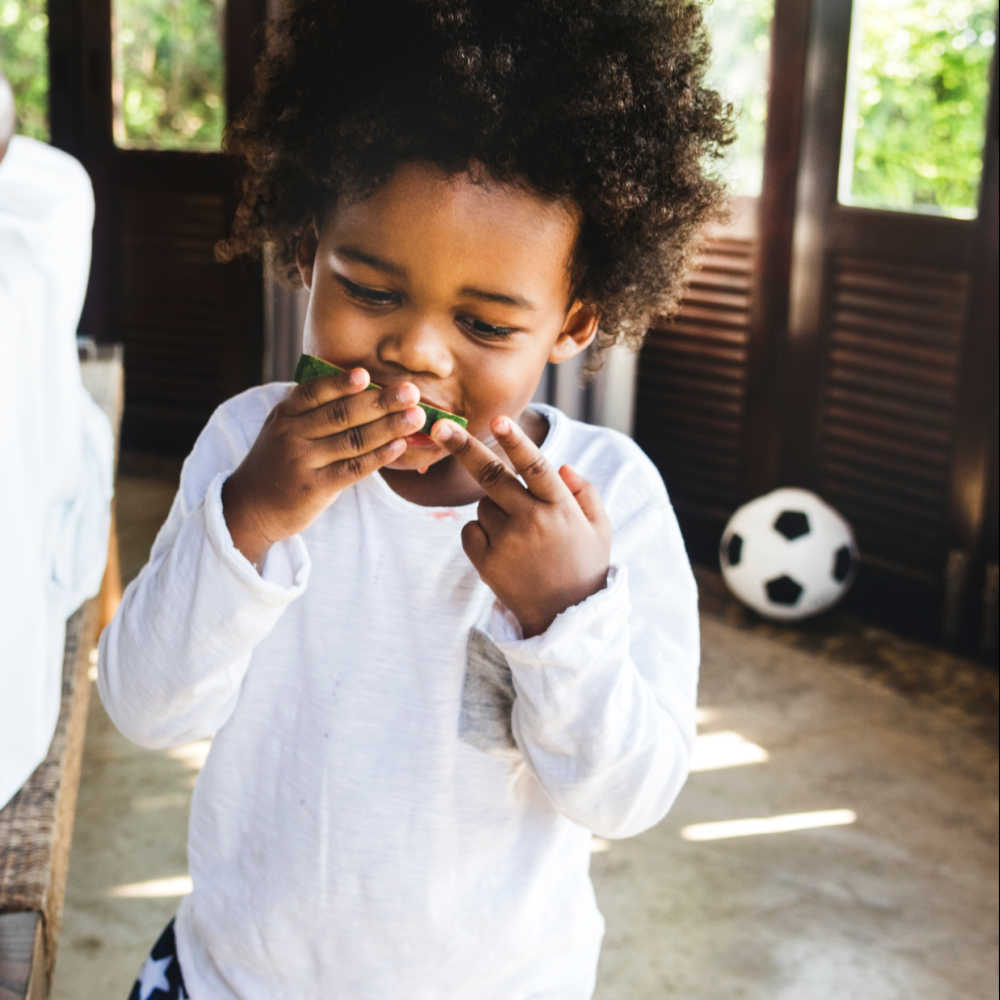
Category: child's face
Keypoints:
(461, 288)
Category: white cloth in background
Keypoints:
(400, 792)
(56, 445)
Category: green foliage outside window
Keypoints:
(168, 90)
(24, 60)
(168, 73)
(915, 114)
(741, 46)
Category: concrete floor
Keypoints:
(837, 838)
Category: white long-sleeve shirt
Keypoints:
(400, 792)
(56, 446)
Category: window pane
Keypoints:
(168, 73)
(741, 48)
(24, 59)
(915, 114)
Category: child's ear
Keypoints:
(305, 253)
(579, 329)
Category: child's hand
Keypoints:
(325, 435)
(540, 549)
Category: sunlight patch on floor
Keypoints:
(167, 800)
(754, 826)
(192, 754)
(157, 888)
(725, 749)
(705, 716)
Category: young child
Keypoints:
(431, 666)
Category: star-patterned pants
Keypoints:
(160, 978)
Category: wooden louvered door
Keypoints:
(881, 422)
(888, 410)
(848, 351)
(891, 368)
(691, 394)
(192, 328)
(708, 394)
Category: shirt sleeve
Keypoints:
(46, 198)
(56, 446)
(81, 521)
(66, 449)
(172, 660)
(604, 712)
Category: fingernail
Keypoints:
(442, 430)
(501, 425)
(358, 377)
(416, 416)
(408, 394)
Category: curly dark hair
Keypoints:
(600, 102)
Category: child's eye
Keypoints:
(483, 330)
(369, 296)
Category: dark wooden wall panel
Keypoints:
(170, 311)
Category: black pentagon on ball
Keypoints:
(792, 524)
(843, 563)
(783, 590)
(732, 549)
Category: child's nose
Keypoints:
(421, 348)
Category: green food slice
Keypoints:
(310, 367)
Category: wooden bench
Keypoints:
(36, 826)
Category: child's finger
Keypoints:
(529, 462)
(343, 473)
(474, 542)
(315, 392)
(491, 518)
(497, 481)
(584, 493)
(348, 411)
(358, 439)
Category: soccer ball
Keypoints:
(788, 554)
